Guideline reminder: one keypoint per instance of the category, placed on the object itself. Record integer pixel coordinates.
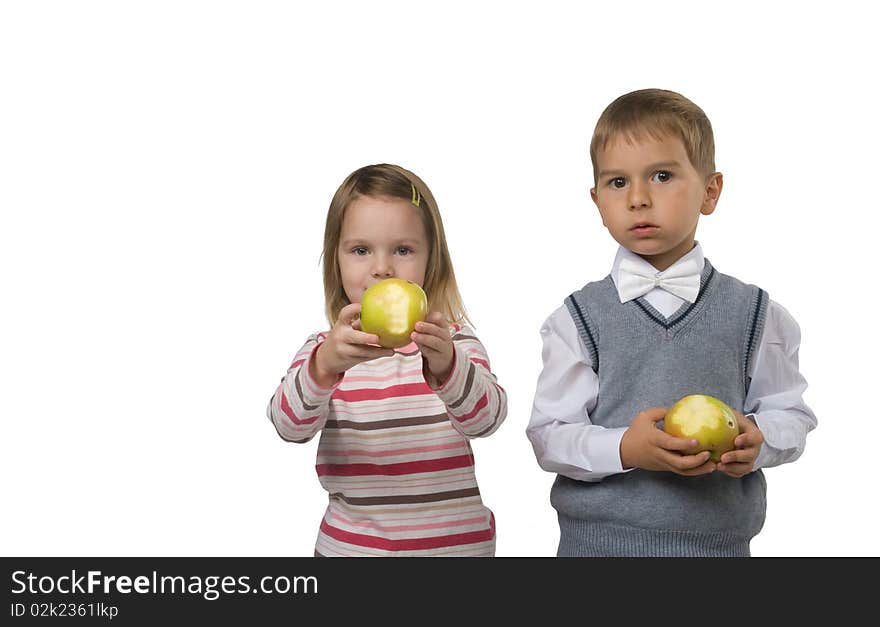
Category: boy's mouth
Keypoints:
(644, 228)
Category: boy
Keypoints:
(663, 324)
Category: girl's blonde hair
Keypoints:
(657, 112)
(391, 181)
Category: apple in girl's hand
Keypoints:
(391, 308)
(707, 420)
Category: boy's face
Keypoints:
(650, 197)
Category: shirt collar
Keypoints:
(695, 253)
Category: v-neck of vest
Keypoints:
(682, 312)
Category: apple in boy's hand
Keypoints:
(707, 420)
(391, 308)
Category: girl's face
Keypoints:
(381, 238)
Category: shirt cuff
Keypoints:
(776, 448)
(314, 393)
(603, 451)
(453, 387)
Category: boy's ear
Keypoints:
(595, 198)
(713, 193)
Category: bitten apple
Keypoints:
(706, 419)
(391, 308)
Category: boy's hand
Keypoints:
(433, 339)
(645, 446)
(345, 346)
(740, 461)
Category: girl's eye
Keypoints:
(617, 182)
(662, 176)
(404, 251)
(359, 250)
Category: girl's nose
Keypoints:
(382, 267)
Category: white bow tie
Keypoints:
(683, 280)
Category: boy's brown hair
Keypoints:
(386, 180)
(658, 113)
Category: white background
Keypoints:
(165, 171)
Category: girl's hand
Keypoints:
(345, 346)
(433, 339)
(741, 461)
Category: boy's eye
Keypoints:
(618, 182)
(662, 176)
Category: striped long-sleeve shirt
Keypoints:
(394, 454)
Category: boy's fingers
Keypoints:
(748, 429)
(742, 456)
(691, 464)
(693, 461)
(702, 469)
(744, 423)
(735, 470)
(744, 440)
(741, 441)
(654, 414)
(672, 443)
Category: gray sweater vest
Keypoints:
(646, 360)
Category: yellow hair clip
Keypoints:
(416, 197)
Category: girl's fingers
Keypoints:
(356, 338)
(428, 341)
(349, 313)
(366, 353)
(435, 323)
(355, 352)
(427, 328)
(435, 317)
(361, 338)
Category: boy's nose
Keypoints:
(638, 197)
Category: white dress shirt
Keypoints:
(566, 442)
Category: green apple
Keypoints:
(707, 420)
(391, 308)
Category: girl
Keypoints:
(394, 454)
